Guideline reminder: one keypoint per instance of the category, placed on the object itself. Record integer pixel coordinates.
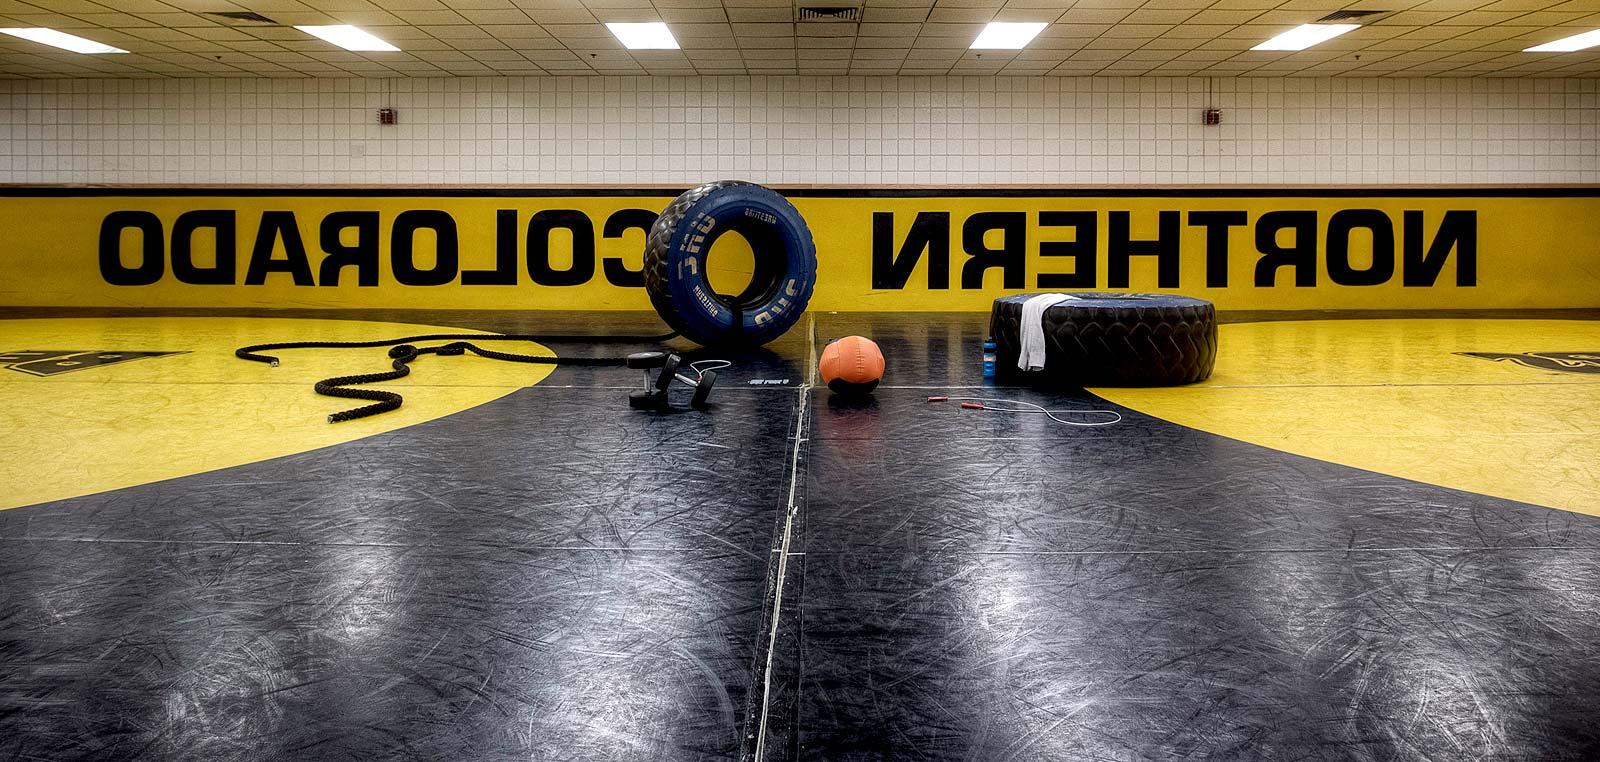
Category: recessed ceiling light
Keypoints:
(1306, 35)
(70, 42)
(1568, 44)
(1008, 35)
(348, 37)
(651, 35)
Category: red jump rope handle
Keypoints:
(972, 405)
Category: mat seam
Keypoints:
(803, 406)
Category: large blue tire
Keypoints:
(1112, 340)
(785, 264)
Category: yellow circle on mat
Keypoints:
(84, 412)
(1518, 420)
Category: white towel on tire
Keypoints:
(1031, 329)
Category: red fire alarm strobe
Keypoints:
(386, 116)
(1211, 117)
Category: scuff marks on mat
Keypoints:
(545, 576)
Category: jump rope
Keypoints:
(988, 404)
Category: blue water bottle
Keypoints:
(988, 359)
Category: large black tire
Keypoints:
(1112, 340)
(785, 270)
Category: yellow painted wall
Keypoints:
(1533, 249)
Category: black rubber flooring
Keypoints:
(552, 576)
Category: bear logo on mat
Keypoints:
(54, 362)
(1564, 362)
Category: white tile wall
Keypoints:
(830, 130)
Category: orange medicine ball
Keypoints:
(852, 365)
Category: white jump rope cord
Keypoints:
(700, 372)
(1032, 408)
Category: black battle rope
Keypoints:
(402, 353)
(252, 352)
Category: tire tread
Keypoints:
(658, 244)
(1163, 344)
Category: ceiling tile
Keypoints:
(924, 37)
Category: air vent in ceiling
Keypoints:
(241, 17)
(830, 13)
(1348, 14)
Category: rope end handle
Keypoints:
(249, 353)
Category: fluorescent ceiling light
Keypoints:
(62, 40)
(1008, 35)
(1306, 35)
(651, 35)
(1568, 44)
(348, 37)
